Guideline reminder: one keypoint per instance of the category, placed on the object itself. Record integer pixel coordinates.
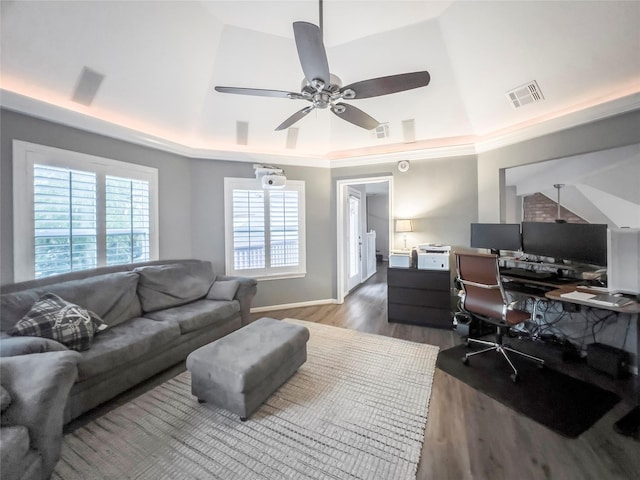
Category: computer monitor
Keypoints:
(578, 242)
(496, 236)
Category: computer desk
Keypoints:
(629, 424)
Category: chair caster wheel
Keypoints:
(515, 378)
(465, 360)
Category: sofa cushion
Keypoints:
(55, 318)
(14, 446)
(123, 343)
(197, 314)
(223, 290)
(13, 346)
(165, 286)
(5, 399)
(112, 296)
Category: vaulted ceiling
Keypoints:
(161, 61)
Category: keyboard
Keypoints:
(534, 290)
(523, 273)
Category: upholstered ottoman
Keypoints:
(241, 370)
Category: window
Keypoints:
(265, 235)
(74, 212)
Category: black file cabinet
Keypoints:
(420, 297)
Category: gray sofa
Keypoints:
(34, 393)
(157, 313)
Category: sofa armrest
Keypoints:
(244, 295)
(39, 385)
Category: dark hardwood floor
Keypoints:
(471, 436)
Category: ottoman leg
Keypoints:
(201, 400)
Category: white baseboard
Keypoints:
(269, 308)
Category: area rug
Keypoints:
(356, 409)
(562, 403)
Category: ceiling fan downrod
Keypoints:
(321, 19)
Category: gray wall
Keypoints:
(611, 132)
(442, 196)
(207, 235)
(438, 195)
(191, 213)
(174, 180)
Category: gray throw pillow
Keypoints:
(13, 346)
(223, 290)
(5, 399)
(55, 318)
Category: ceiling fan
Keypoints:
(324, 90)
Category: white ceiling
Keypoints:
(162, 59)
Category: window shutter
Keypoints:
(264, 229)
(64, 204)
(283, 223)
(126, 220)
(248, 229)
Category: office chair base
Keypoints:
(503, 349)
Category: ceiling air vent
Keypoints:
(381, 131)
(242, 133)
(525, 94)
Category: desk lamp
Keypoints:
(404, 226)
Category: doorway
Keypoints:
(354, 230)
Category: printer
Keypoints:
(433, 256)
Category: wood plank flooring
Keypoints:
(471, 436)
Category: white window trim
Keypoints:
(25, 155)
(272, 273)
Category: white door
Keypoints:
(353, 244)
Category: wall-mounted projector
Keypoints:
(273, 181)
(270, 176)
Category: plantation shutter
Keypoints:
(64, 211)
(283, 223)
(248, 229)
(126, 220)
(264, 229)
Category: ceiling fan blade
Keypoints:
(295, 117)
(354, 115)
(386, 85)
(259, 92)
(311, 52)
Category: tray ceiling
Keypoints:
(161, 60)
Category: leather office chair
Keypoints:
(483, 296)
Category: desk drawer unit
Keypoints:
(420, 297)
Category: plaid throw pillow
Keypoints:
(55, 318)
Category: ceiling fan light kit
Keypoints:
(324, 90)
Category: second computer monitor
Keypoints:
(496, 236)
(579, 242)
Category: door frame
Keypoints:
(341, 198)
(353, 192)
